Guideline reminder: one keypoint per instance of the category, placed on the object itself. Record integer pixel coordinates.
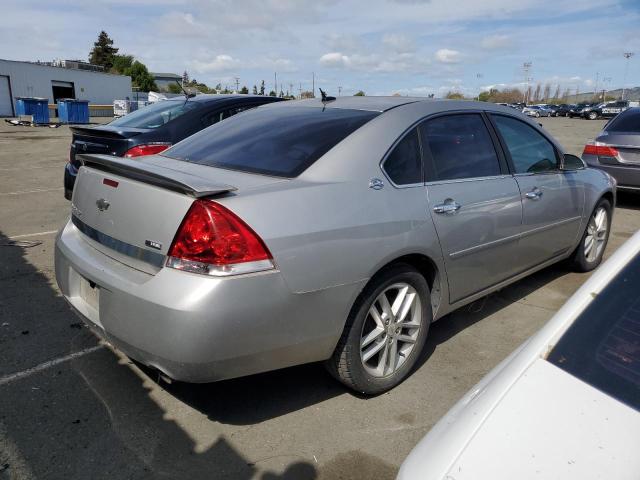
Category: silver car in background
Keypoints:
(312, 230)
(616, 150)
(536, 111)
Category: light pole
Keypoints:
(627, 55)
(605, 80)
(479, 78)
(527, 67)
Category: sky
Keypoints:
(410, 47)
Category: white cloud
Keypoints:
(445, 55)
(496, 42)
(335, 59)
(221, 63)
(398, 42)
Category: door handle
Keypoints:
(534, 194)
(449, 207)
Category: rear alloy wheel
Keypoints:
(593, 115)
(589, 253)
(537, 114)
(385, 332)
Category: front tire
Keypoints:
(592, 115)
(589, 252)
(385, 332)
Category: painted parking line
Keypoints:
(51, 363)
(35, 190)
(36, 234)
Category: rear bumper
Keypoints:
(628, 177)
(196, 328)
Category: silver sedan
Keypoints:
(330, 230)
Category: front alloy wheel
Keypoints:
(589, 252)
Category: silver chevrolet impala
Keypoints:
(330, 230)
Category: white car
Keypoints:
(565, 405)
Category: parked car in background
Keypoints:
(576, 110)
(605, 110)
(550, 108)
(566, 404)
(563, 110)
(616, 150)
(536, 111)
(314, 230)
(154, 128)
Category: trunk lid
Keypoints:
(627, 144)
(102, 139)
(131, 209)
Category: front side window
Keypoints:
(458, 147)
(404, 163)
(156, 114)
(530, 151)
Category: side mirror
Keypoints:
(572, 162)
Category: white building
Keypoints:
(24, 79)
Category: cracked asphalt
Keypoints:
(69, 410)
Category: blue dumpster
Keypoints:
(71, 110)
(38, 108)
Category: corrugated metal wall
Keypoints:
(32, 80)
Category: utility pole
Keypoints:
(479, 78)
(237, 84)
(595, 90)
(339, 91)
(275, 82)
(605, 80)
(290, 88)
(313, 84)
(627, 55)
(527, 67)
(300, 90)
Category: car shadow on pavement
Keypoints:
(628, 200)
(91, 416)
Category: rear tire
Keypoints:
(592, 115)
(589, 252)
(378, 350)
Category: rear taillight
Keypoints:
(600, 150)
(146, 149)
(212, 240)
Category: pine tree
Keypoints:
(244, 90)
(103, 51)
(255, 90)
(262, 88)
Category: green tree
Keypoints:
(262, 88)
(454, 96)
(140, 77)
(103, 51)
(255, 90)
(121, 63)
(244, 90)
(174, 88)
(272, 93)
(359, 93)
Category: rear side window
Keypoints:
(156, 114)
(602, 346)
(459, 146)
(220, 115)
(404, 163)
(530, 151)
(279, 141)
(628, 121)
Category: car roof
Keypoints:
(212, 97)
(373, 104)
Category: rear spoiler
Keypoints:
(155, 175)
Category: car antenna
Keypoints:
(325, 97)
(186, 94)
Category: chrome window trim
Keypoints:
(463, 180)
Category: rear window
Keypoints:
(278, 141)
(156, 114)
(602, 347)
(628, 121)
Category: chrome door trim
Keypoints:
(153, 258)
